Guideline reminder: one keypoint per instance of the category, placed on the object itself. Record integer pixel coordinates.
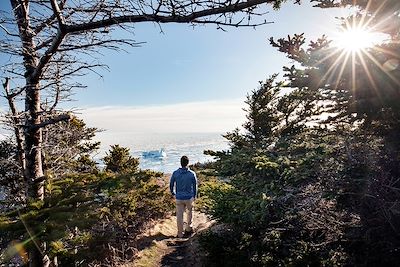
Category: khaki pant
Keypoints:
(181, 205)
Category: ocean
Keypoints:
(174, 144)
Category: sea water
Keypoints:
(175, 145)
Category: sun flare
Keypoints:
(356, 39)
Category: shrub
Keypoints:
(85, 215)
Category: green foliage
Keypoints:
(86, 214)
(227, 248)
(119, 160)
(67, 148)
(360, 93)
(262, 117)
(288, 203)
(296, 189)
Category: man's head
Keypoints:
(184, 161)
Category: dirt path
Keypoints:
(159, 247)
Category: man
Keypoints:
(184, 181)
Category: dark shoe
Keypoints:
(188, 233)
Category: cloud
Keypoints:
(3, 136)
(196, 117)
(4, 131)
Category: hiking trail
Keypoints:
(158, 246)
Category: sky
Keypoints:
(190, 79)
(183, 64)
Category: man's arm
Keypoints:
(194, 185)
(171, 184)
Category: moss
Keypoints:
(82, 238)
(57, 247)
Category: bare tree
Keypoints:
(48, 43)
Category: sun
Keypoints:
(357, 48)
(355, 39)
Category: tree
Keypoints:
(272, 119)
(118, 160)
(262, 114)
(11, 180)
(361, 92)
(46, 41)
(47, 38)
(88, 219)
(329, 185)
(68, 148)
(266, 194)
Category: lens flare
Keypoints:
(356, 39)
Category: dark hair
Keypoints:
(184, 161)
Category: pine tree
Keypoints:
(119, 160)
(325, 192)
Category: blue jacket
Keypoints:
(185, 182)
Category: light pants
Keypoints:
(181, 205)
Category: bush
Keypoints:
(119, 160)
(85, 216)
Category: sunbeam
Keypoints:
(356, 38)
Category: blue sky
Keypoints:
(185, 72)
(201, 64)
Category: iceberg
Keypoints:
(154, 154)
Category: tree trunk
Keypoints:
(33, 159)
(35, 257)
(33, 173)
(33, 143)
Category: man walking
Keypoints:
(184, 181)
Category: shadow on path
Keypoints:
(158, 247)
(178, 256)
(147, 241)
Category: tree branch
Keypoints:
(58, 89)
(238, 24)
(53, 120)
(164, 19)
(7, 31)
(57, 13)
(13, 95)
(48, 54)
(48, 21)
(44, 44)
(17, 130)
(99, 43)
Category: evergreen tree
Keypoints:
(68, 148)
(119, 160)
(262, 114)
(87, 217)
(361, 94)
(325, 192)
